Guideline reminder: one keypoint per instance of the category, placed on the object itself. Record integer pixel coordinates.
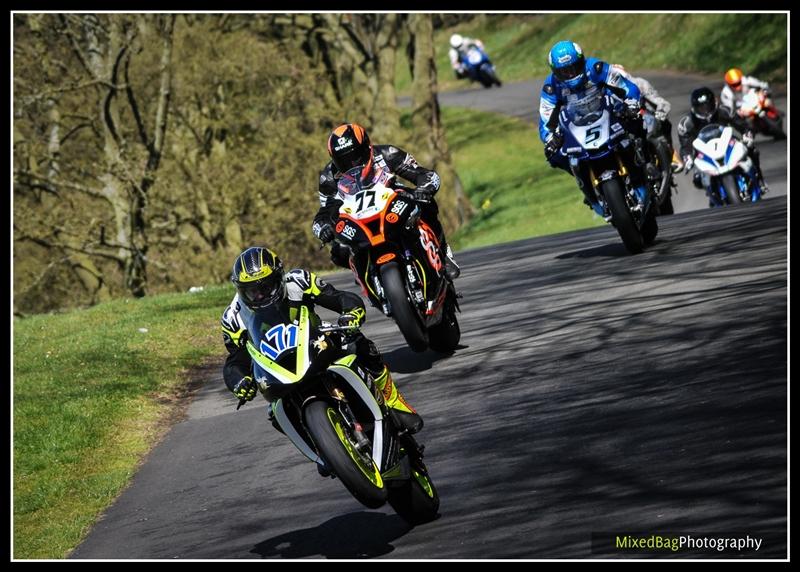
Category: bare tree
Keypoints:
(427, 125)
(131, 143)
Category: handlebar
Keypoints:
(332, 328)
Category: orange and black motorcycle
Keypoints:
(397, 260)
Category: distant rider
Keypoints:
(737, 85)
(261, 289)
(575, 79)
(659, 108)
(351, 151)
(704, 110)
(459, 46)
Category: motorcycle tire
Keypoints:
(404, 313)
(444, 336)
(621, 217)
(650, 228)
(416, 500)
(664, 158)
(356, 470)
(728, 182)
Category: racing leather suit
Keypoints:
(600, 78)
(689, 126)
(733, 99)
(394, 160)
(307, 289)
(457, 56)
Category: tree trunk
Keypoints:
(426, 122)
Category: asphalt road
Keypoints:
(594, 392)
(521, 99)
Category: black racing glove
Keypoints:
(353, 319)
(245, 388)
(325, 232)
(424, 194)
(553, 144)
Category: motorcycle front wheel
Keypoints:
(728, 183)
(402, 310)
(338, 449)
(621, 217)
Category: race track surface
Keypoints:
(593, 391)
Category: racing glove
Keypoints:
(688, 163)
(424, 194)
(245, 388)
(748, 139)
(553, 143)
(660, 115)
(633, 106)
(352, 319)
(324, 232)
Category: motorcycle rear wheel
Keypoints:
(416, 500)
(445, 335)
(356, 470)
(404, 313)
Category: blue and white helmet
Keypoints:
(568, 64)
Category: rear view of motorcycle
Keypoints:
(728, 173)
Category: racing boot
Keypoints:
(677, 164)
(451, 269)
(407, 416)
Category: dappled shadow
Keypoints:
(355, 535)
(406, 360)
(643, 393)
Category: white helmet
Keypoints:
(456, 40)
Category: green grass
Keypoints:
(709, 43)
(514, 190)
(91, 395)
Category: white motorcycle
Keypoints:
(728, 173)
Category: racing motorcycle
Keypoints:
(480, 68)
(728, 173)
(332, 411)
(760, 113)
(596, 144)
(397, 260)
(660, 149)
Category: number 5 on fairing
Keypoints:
(593, 134)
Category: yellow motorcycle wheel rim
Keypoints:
(370, 471)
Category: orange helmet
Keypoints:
(349, 147)
(733, 77)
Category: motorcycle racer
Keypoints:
(261, 287)
(350, 150)
(575, 79)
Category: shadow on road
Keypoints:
(611, 250)
(355, 535)
(406, 360)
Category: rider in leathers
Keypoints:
(575, 78)
(658, 107)
(704, 110)
(349, 146)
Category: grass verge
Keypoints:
(707, 43)
(514, 190)
(92, 394)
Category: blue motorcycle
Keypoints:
(597, 145)
(479, 67)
